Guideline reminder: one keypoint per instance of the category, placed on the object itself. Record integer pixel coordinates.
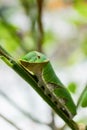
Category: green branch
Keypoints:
(33, 82)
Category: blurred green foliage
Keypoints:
(14, 39)
(82, 101)
(81, 7)
(6, 39)
(84, 46)
(72, 87)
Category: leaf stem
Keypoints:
(81, 96)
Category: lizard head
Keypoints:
(34, 61)
(34, 57)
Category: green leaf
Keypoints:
(82, 101)
(81, 7)
(7, 39)
(72, 87)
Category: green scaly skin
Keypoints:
(38, 65)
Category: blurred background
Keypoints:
(57, 28)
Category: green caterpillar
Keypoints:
(37, 64)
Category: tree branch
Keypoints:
(40, 25)
(10, 122)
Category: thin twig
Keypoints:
(63, 127)
(40, 25)
(27, 114)
(52, 123)
(10, 122)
